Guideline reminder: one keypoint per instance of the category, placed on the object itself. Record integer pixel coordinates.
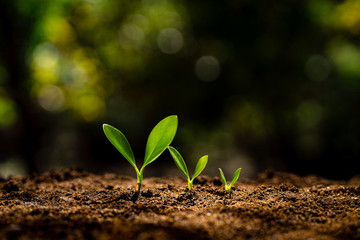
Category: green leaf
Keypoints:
(223, 179)
(235, 177)
(200, 166)
(120, 142)
(179, 161)
(160, 138)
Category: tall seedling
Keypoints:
(159, 139)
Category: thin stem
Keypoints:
(190, 184)
(138, 184)
(141, 173)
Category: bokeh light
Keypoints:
(133, 32)
(170, 40)
(255, 85)
(346, 56)
(318, 68)
(207, 68)
(8, 114)
(51, 98)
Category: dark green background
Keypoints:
(256, 84)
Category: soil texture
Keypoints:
(74, 204)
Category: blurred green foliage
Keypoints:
(255, 84)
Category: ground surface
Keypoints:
(74, 204)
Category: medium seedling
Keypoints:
(180, 163)
(159, 139)
(234, 179)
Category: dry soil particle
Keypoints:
(74, 204)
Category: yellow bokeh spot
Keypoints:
(346, 57)
(45, 63)
(8, 114)
(59, 31)
(163, 14)
(349, 15)
(344, 15)
(86, 68)
(91, 107)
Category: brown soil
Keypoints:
(74, 204)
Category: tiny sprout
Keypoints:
(159, 139)
(234, 179)
(180, 163)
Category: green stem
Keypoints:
(140, 175)
(138, 184)
(190, 184)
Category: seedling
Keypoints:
(159, 139)
(234, 179)
(180, 163)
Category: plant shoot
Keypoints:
(159, 139)
(234, 179)
(180, 163)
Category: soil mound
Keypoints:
(74, 204)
